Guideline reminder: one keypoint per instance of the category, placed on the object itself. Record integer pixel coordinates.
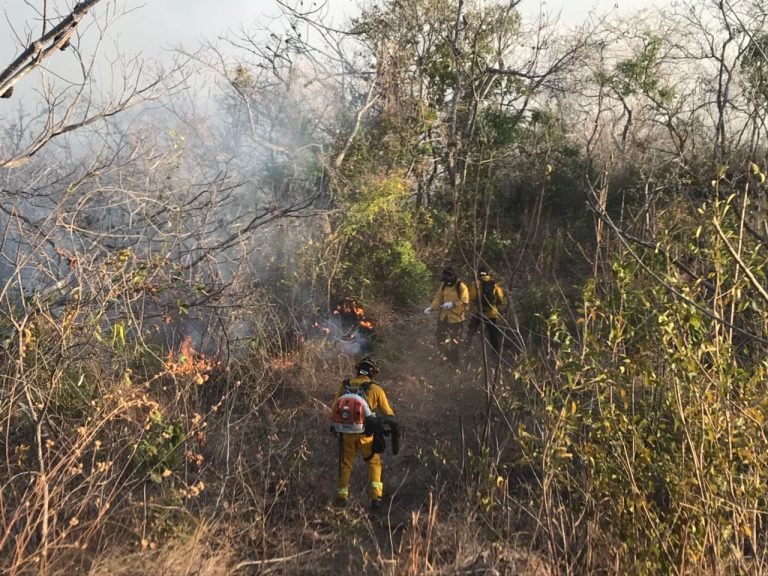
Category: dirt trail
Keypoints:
(426, 523)
(439, 408)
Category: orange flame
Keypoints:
(186, 361)
(349, 307)
(287, 360)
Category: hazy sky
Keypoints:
(199, 19)
(157, 24)
(152, 28)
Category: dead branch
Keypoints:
(42, 48)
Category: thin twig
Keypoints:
(752, 280)
(267, 561)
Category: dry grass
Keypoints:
(201, 554)
(265, 465)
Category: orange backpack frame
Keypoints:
(349, 412)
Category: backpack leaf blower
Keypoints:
(383, 427)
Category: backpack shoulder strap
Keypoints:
(361, 390)
(488, 290)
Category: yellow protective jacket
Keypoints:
(352, 444)
(374, 396)
(476, 294)
(459, 295)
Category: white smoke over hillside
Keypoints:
(197, 195)
(189, 159)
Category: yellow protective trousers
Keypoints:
(349, 446)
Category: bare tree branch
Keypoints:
(42, 48)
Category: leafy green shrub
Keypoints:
(647, 420)
(410, 279)
(497, 247)
(158, 450)
(377, 233)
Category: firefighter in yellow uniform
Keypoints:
(452, 300)
(485, 297)
(352, 444)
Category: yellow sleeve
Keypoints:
(380, 404)
(473, 294)
(438, 298)
(464, 295)
(499, 293)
